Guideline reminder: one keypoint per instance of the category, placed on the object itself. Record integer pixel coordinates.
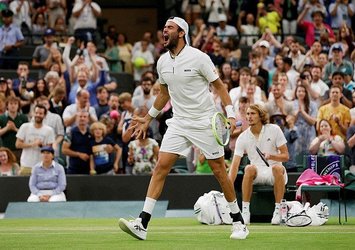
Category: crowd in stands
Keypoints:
(299, 64)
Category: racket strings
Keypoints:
(222, 128)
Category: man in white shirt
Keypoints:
(317, 87)
(31, 136)
(185, 74)
(225, 31)
(271, 141)
(298, 59)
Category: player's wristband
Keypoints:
(230, 111)
(153, 112)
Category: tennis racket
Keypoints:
(220, 128)
(300, 219)
(262, 156)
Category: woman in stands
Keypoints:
(8, 165)
(305, 113)
(326, 143)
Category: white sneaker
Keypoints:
(246, 217)
(239, 231)
(276, 218)
(134, 228)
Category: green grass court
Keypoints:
(168, 233)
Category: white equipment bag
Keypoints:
(212, 209)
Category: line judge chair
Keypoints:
(323, 165)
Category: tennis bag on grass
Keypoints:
(301, 216)
(212, 209)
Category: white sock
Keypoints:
(234, 207)
(245, 206)
(149, 204)
(277, 206)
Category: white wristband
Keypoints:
(230, 111)
(153, 112)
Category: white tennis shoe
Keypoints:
(276, 217)
(239, 231)
(134, 228)
(246, 217)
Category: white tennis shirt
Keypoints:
(270, 138)
(188, 76)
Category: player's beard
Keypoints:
(173, 42)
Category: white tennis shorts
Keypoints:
(264, 176)
(182, 133)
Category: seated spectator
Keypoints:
(12, 39)
(143, 153)
(142, 60)
(76, 145)
(58, 101)
(47, 181)
(112, 54)
(341, 12)
(105, 153)
(8, 163)
(311, 6)
(327, 143)
(55, 9)
(317, 88)
(5, 89)
(102, 101)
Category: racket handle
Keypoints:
(239, 123)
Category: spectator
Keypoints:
(41, 58)
(316, 28)
(38, 28)
(102, 97)
(268, 17)
(289, 17)
(76, 145)
(312, 56)
(105, 153)
(11, 39)
(86, 13)
(4, 88)
(311, 6)
(327, 142)
(8, 163)
(337, 63)
(125, 52)
(298, 59)
(264, 47)
(147, 36)
(279, 105)
(22, 15)
(337, 114)
(82, 104)
(341, 12)
(249, 31)
(61, 31)
(345, 38)
(345, 98)
(147, 99)
(256, 68)
(305, 112)
(349, 84)
(47, 181)
(54, 121)
(352, 110)
(143, 152)
(10, 122)
(279, 67)
(57, 101)
(91, 57)
(292, 76)
(225, 31)
(41, 88)
(317, 88)
(112, 54)
(225, 72)
(142, 60)
(2, 105)
(234, 78)
(350, 137)
(215, 8)
(240, 116)
(31, 137)
(55, 9)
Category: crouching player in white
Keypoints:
(185, 74)
(271, 141)
(47, 181)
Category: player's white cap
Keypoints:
(183, 25)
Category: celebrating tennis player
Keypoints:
(185, 74)
(270, 141)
